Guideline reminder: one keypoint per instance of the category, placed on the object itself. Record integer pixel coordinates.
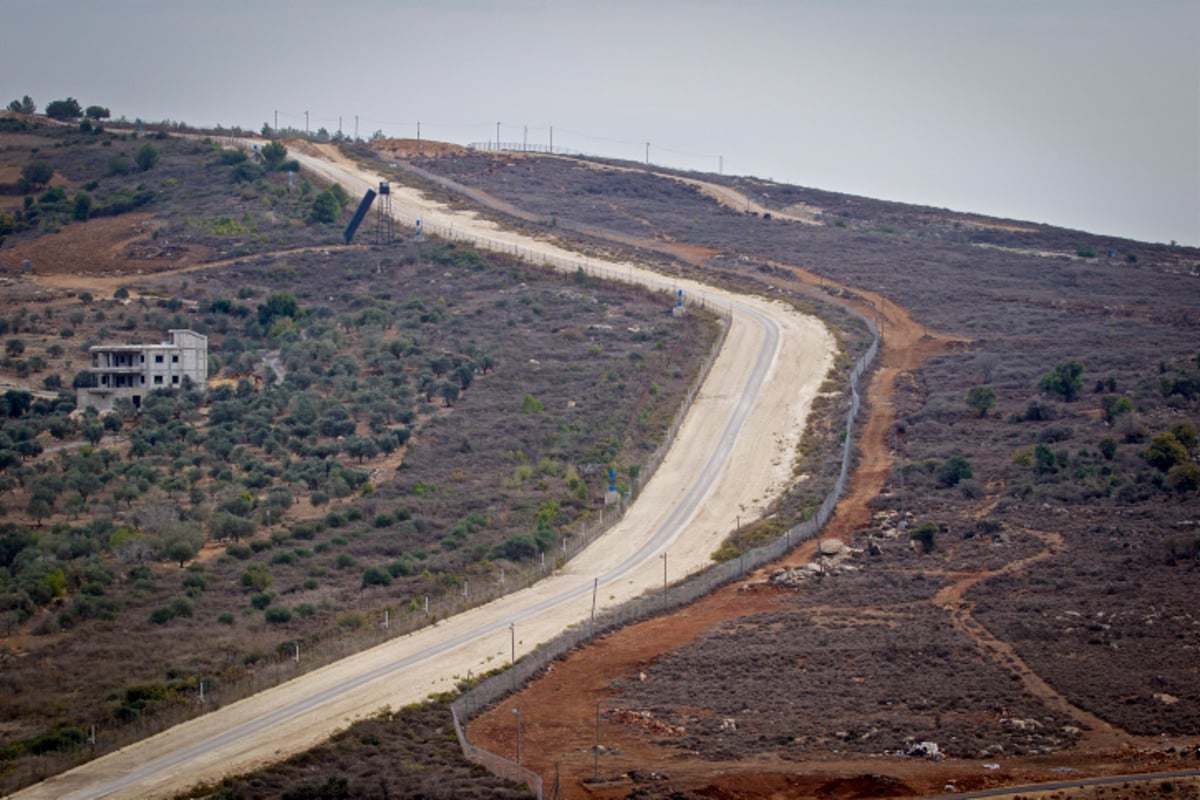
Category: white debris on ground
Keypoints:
(833, 557)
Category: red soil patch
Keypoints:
(122, 245)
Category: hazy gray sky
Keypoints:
(1077, 113)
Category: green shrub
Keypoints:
(952, 470)
(278, 615)
(256, 577)
(241, 552)
(376, 576)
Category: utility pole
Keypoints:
(276, 120)
(305, 123)
(525, 139)
(356, 127)
(592, 625)
(551, 140)
(339, 123)
(663, 556)
(512, 633)
(418, 131)
(497, 136)
(647, 154)
(720, 165)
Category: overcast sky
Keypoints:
(1082, 113)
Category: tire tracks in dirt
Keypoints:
(1096, 733)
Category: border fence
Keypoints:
(498, 686)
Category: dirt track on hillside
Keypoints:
(757, 465)
(564, 713)
(560, 710)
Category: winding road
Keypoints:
(732, 455)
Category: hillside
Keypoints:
(1018, 581)
(1048, 610)
(390, 433)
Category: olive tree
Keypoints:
(982, 399)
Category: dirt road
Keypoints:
(733, 453)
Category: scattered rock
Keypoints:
(645, 721)
(830, 547)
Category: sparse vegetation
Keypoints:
(231, 478)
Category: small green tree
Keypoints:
(1165, 451)
(954, 469)
(64, 110)
(982, 399)
(1108, 447)
(23, 106)
(256, 577)
(279, 304)
(1044, 460)
(1185, 434)
(83, 206)
(925, 534)
(35, 175)
(1183, 478)
(325, 209)
(376, 576)
(147, 157)
(449, 391)
(182, 541)
(39, 508)
(274, 154)
(1064, 380)
(97, 113)
(1115, 405)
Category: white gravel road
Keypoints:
(732, 455)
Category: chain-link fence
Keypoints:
(492, 689)
(498, 686)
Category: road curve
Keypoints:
(732, 455)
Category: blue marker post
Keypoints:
(418, 229)
(677, 311)
(611, 495)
